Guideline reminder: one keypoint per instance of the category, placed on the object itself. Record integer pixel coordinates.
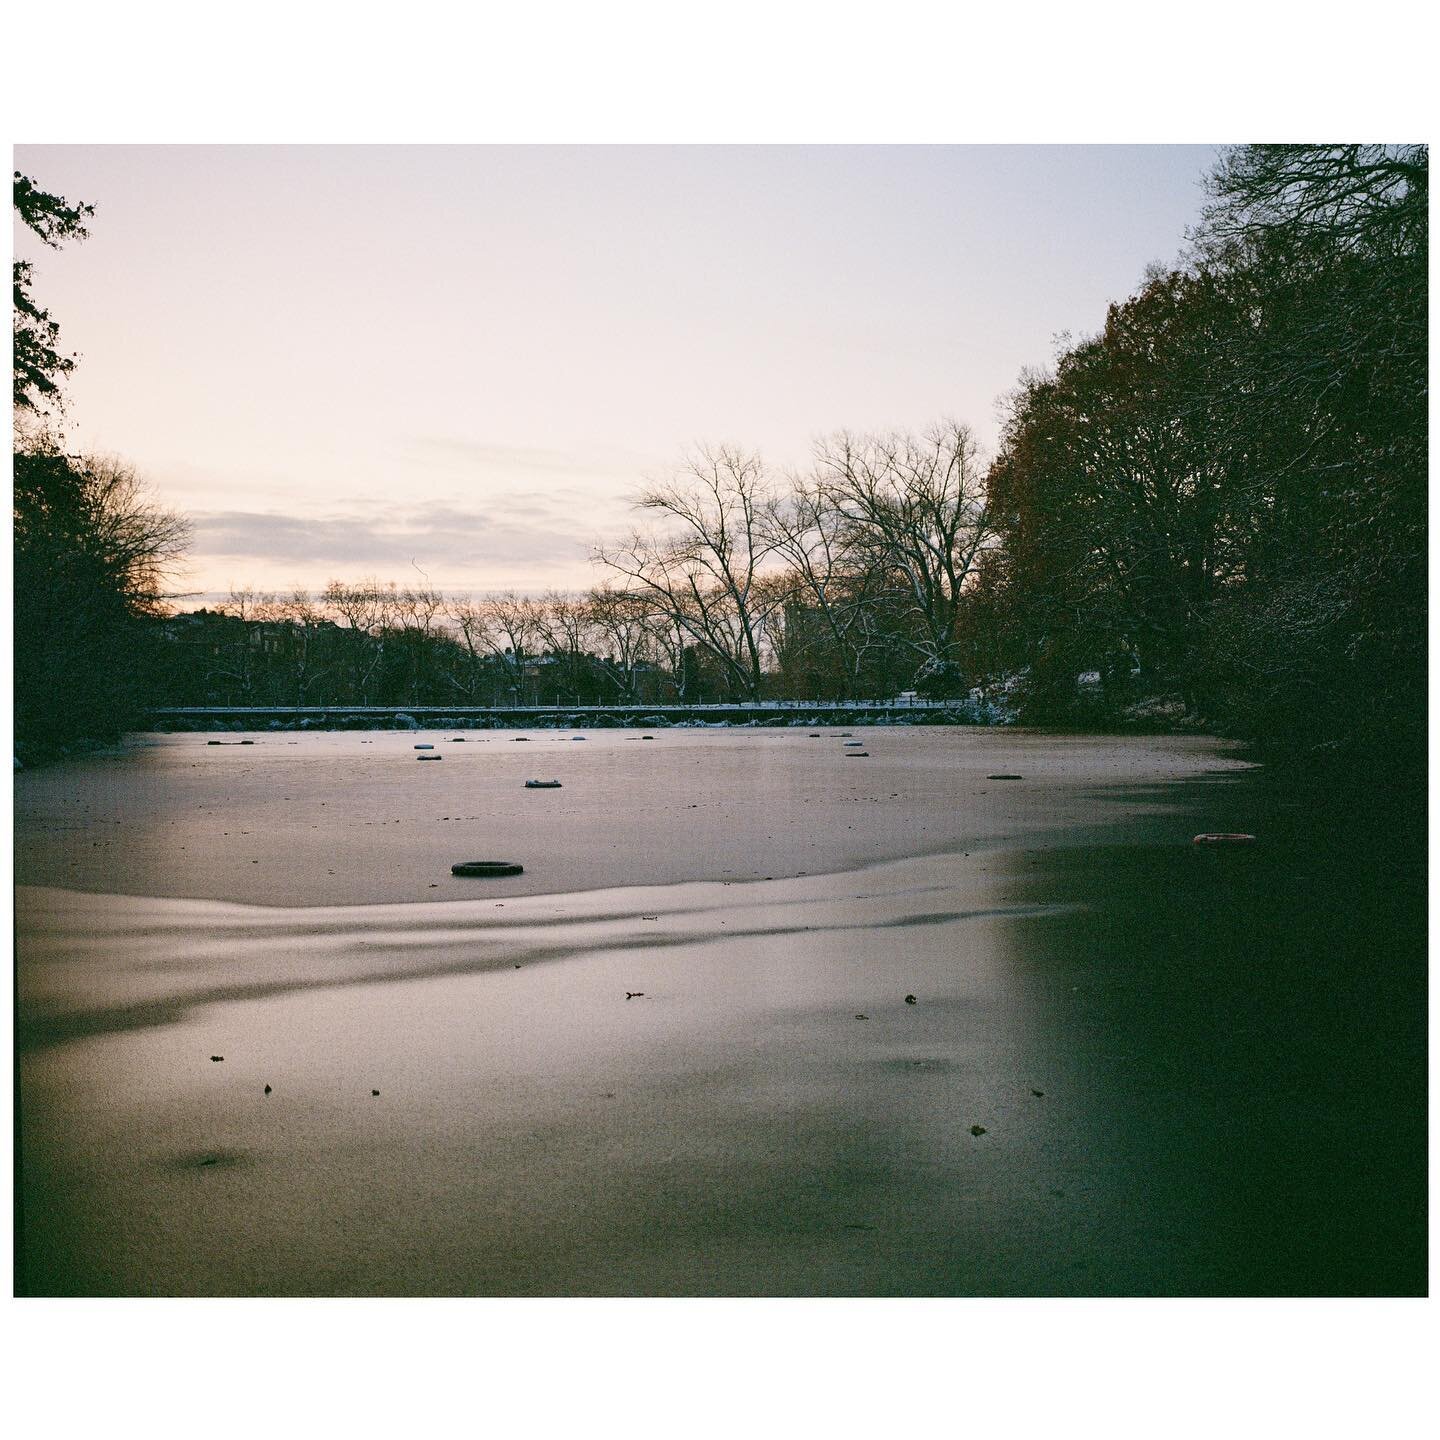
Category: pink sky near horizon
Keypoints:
(457, 363)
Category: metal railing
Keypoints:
(774, 714)
(627, 708)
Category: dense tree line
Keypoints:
(373, 643)
(92, 551)
(1222, 496)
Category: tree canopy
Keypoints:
(1222, 494)
(94, 554)
(40, 367)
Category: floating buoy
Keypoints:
(542, 784)
(487, 868)
(1219, 839)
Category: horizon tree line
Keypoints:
(843, 582)
(1217, 503)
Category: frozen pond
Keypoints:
(358, 818)
(676, 1055)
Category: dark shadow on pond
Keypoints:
(1239, 1039)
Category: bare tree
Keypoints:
(143, 544)
(511, 625)
(501, 628)
(94, 555)
(414, 613)
(705, 569)
(562, 623)
(306, 620)
(624, 624)
(471, 626)
(672, 633)
(915, 507)
(827, 576)
(366, 608)
(565, 626)
(248, 605)
(416, 609)
(1351, 196)
(235, 661)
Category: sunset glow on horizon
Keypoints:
(457, 363)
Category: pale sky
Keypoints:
(460, 361)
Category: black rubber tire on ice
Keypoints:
(487, 868)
